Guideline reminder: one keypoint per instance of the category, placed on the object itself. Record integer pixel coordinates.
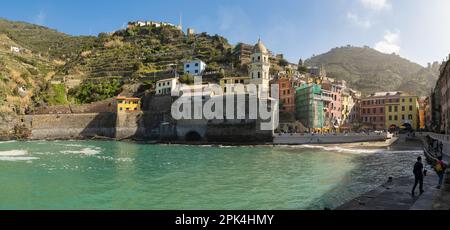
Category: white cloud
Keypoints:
(390, 44)
(356, 20)
(376, 4)
(40, 18)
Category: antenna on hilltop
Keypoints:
(180, 22)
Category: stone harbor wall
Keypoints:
(129, 125)
(132, 125)
(237, 133)
(191, 130)
(8, 124)
(152, 122)
(157, 103)
(70, 126)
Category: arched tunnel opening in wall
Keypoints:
(193, 136)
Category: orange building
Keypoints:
(128, 104)
(287, 95)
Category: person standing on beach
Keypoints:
(418, 176)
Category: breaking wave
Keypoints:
(84, 151)
(10, 158)
(15, 155)
(6, 142)
(12, 153)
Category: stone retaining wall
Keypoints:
(70, 126)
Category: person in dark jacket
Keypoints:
(418, 176)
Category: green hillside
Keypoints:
(23, 76)
(44, 41)
(47, 54)
(369, 71)
(143, 51)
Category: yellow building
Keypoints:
(403, 109)
(228, 84)
(128, 104)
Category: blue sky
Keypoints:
(416, 29)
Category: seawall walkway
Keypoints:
(396, 195)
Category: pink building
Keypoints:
(333, 113)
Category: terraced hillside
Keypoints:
(44, 41)
(23, 75)
(144, 51)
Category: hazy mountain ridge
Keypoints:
(369, 71)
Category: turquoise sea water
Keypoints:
(118, 175)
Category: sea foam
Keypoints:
(84, 151)
(6, 142)
(15, 155)
(12, 153)
(9, 158)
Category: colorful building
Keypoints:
(373, 114)
(286, 94)
(402, 109)
(127, 104)
(333, 112)
(310, 106)
(354, 118)
(350, 108)
(390, 110)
